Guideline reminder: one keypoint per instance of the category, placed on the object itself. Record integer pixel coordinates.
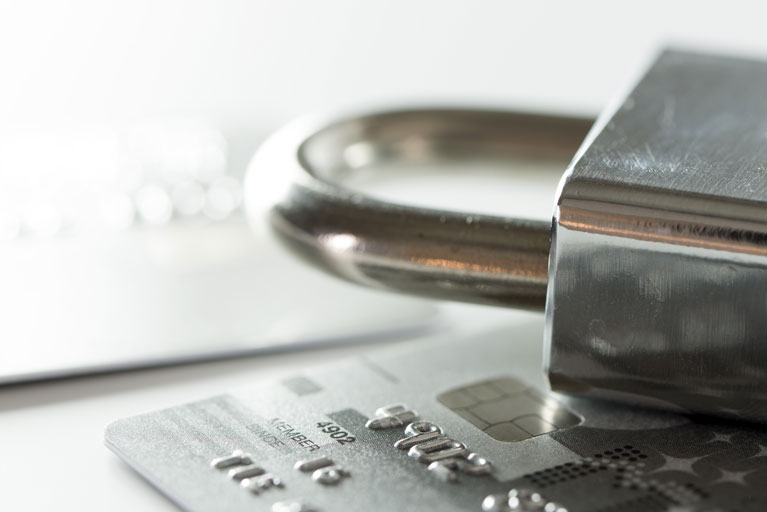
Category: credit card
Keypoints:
(443, 425)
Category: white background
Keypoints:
(249, 66)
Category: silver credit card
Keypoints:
(448, 425)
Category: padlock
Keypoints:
(654, 270)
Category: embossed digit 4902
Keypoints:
(335, 432)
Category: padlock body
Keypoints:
(658, 267)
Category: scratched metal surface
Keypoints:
(695, 125)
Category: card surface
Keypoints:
(448, 425)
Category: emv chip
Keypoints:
(508, 410)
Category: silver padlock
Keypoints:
(654, 270)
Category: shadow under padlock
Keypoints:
(652, 272)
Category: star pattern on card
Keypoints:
(732, 477)
(725, 438)
(761, 453)
(678, 464)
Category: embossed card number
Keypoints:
(335, 432)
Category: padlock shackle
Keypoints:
(486, 259)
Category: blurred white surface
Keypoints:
(245, 67)
(179, 293)
(248, 66)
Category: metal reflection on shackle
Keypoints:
(654, 271)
